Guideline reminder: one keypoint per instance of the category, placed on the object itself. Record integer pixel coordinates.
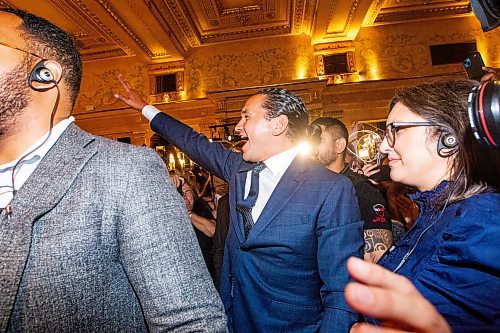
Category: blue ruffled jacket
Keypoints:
(456, 262)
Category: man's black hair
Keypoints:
(334, 125)
(283, 102)
(52, 43)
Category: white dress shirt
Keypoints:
(24, 170)
(269, 178)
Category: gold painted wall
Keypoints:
(249, 63)
(402, 50)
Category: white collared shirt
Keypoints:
(24, 170)
(269, 178)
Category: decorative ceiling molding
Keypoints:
(427, 13)
(5, 4)
(98, 23)
(168, 15)
(126, 28)
(374, 10)
(298, 16)
(347, 23)
(98, 55)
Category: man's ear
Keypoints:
(340, 145)
(280, 125)
(55, 68)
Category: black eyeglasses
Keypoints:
(19, 49)
(393, 128)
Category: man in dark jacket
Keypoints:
(374, 210)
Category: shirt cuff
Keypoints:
(150, 112)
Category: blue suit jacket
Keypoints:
(290, 273)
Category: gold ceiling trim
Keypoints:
(98, 55)
(5, 4)
(428, 13)
(347, 24)
(101, 26)
(373, 12)
(168, 12)
(250, 33)
(236, 10)
(129, 31)
(240, 10)
(209, 9)
(307, 22)
(298, 17)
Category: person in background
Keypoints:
(293, 222)
(222, 225)
(203, 222)
(331, 152)
(451, 253)
(93, 237)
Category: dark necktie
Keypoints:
(245, 206)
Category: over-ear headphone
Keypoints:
(40, 74)
(447, 144)
(484, 113)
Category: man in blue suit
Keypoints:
(293, 222)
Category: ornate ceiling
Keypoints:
(168, 30)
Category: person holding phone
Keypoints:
(491, 74)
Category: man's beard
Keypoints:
(327, 157)
(14, 96)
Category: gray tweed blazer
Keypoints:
(99, 241)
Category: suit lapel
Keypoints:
(41, 192)
(284, 191)
(63, 163)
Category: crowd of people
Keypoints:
(85, 244)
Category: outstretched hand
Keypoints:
(132, 98)
(391, 298)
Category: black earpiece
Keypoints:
(40, 74)
(447, 144)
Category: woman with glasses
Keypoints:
(451, 253)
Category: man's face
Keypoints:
(326, 152)
(188, 195)
(14, 64)
(256, 129)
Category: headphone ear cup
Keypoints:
(447, 144)
(40, 74)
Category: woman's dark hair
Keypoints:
(52, 43)
(474, 168)
(283, 102)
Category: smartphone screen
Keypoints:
(473, 65)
